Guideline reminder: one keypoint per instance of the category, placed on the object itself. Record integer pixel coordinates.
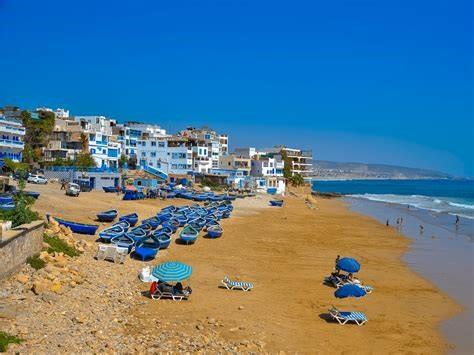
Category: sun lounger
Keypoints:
(236, 285)
(344, 317)
(112, 253)
(171, 293)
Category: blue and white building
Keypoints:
(102, 144)
(11, 143)
(171, 155)
(268, 173)
(130, 133)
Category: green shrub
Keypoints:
(35, 262)
(60, 246)
(22, 212)
(6, 339)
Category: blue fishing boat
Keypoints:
(131, 218)
(214, 231)
(200, 197)
(147, 249)
(133, 195)
(109, 189)
(107, 234)
(154, 222)
(80, 228)
(137, 233)
(164, 216)
(171, 194)
(182, 219)
(107, 216)
(211, 222)
(123, 241)
(188, 235)
(146, 227)
(6, 199)
(124, 224)
(173, 224)
(165, 240)
(276, 203)
(7, 206)
(164, 229)
(170, 208)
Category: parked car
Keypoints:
(21, 175)
(73, 189)
(84, 184)
(37, 179)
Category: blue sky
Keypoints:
(382, 81)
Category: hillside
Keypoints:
(337, 170)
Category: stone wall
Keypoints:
(17, 244)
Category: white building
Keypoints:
(268, 173)
(202, 162)
(171, 155)
(130, 133)
(58, 113)
(101, 143)
(11, 142)
(218, 144)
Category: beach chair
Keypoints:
(335, 280)
(341, 280)
(112, 253)
(236, 285)
(156, 293)
(344, 317)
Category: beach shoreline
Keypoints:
(286, 252)
(439, 239)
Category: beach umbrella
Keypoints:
(348, 264)
(350, 290)
(172, 271)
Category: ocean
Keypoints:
(442, 251)
(454, 197)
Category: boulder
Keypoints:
(22, 278)
(40, 286)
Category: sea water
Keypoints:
(442, 250)
(455, 197)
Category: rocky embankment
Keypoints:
(80, 304)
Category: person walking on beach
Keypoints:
(118, 190)
(63, 184)
(387, 223)
(421, 229)
(457, 219)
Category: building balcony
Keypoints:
(12, 144)
(20, 131)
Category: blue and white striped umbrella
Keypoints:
(172, 271)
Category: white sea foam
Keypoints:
(435, 204)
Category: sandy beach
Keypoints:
(286, 252)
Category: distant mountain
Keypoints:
(336, 170)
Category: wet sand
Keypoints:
(286, 252)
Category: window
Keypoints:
(153, 144)
(92, 151)
(143, 154)
(161, 144)
(153, 154)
